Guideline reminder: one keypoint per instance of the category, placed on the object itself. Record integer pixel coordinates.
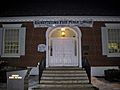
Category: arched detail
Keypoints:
(76, 30)
(58, 28)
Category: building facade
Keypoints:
(61, 41)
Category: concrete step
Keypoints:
(39, 87)
(64, 74)
(63, 89)
(64, 81)
(64, 68)
(65, 85)
(65, 78)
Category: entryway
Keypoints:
(63, 46)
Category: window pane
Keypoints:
(114, 40)
(11, 41)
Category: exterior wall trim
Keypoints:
(33, 18)
(79, 34)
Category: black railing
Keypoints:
(86, 65)
(41, 68)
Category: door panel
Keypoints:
(55, 59)
(63, 52)
(69, 52)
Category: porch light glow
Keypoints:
(62, 32)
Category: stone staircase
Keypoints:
(64, 78)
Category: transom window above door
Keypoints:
(63, 32)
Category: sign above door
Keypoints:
(50, 23)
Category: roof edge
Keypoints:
(33, 18)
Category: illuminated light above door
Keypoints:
(63, 32)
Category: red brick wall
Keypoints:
(91, 46)
(91, 38)
(34, 36)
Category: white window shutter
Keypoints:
(1, 40)
(104, 40)
(22, 35)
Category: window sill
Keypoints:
(10, 56)
(113, 55)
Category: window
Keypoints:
(111, 40)
(13, 40)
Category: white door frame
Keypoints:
(74, 29)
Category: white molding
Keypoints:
(11, 25)
(79, 34)
(11, 56)
(104, 40)
(112, 25)
(32, 18)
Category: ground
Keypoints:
(102, 84)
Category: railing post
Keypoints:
(39, 71)
(41, 68)
(89, 74)
(87, 67)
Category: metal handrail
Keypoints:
(41, 68)
(87, 67)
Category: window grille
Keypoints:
(111, 40)
(11, 41)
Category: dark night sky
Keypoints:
(59, 7)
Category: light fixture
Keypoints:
(63, 32)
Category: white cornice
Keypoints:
(32, 18)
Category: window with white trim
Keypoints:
(13, 40)
(111, 40)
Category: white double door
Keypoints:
(63, 52)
